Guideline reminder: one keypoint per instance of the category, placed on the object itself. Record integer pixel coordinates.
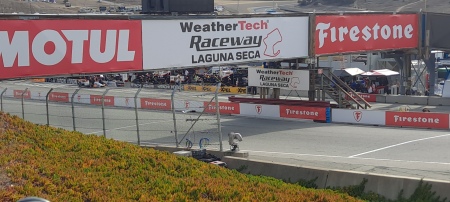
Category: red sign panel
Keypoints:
(150, 103)
(97, 100)
(18, 94)
(58, 97)
(224, 107)
(30, 48)
(362, 33)
(365, 96)
(417, 119)
(299, 112)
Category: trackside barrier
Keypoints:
(392, 118)
(271, 110)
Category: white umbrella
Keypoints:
(381, 72)
(348, 72)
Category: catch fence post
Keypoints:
(137, 116)
(46, 106)
(1, 99)
(219, 125)
(73, 109)
(23, 107)
(103, 112)
(172, 100)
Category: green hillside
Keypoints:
(68, 166)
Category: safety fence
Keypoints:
(170, 117)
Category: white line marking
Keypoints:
(344, 157)
(398, 145)
(101, 131)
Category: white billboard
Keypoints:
(358, 116)
(200, 42)
(279, 78)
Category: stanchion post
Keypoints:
(103, 112)
(137, 116)
(1, 99)
(46, 106)
(73, 109)
(219, 125)
(172, 100)
(23, 106)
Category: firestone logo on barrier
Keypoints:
(258, 108)
(418, 119)
(357, 115)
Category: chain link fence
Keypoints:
(170, 117)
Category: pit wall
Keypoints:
(385, 185)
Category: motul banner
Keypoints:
(417, 119)
(299, 112)
(335, 34)
(200, 42)
(31, 48)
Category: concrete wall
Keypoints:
(385, 185)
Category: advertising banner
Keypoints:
(58, 97)
(366, 96)
(30, 48)
(260, 110)
(438, 33)
(337, 34)
(299, 112)
(279, 78)
(417, 119)
(38, 95)
(200, 42)
(150, 103)
(224, 89)
(370, 117)
(97, 100)
(224, 107)
(18, 94)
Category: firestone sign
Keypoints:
(359, 33)
(219, 41)
(279, 78)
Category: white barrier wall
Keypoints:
(358, 116)
(258, 110)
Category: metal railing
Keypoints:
(137, 115)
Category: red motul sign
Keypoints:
(97, 100)
(150, 103)
(224, 107)
(362, 33)
(30, 48)
(58, 97)
(299, 112)
(417, 119)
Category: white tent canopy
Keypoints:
(380, 72)
(348, 71)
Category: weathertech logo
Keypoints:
(258, 109)
(357, 115)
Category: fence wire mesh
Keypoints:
(143, 116)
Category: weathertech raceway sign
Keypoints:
(62, 47)
(363, 33)
(197, 42)
(279, 78)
